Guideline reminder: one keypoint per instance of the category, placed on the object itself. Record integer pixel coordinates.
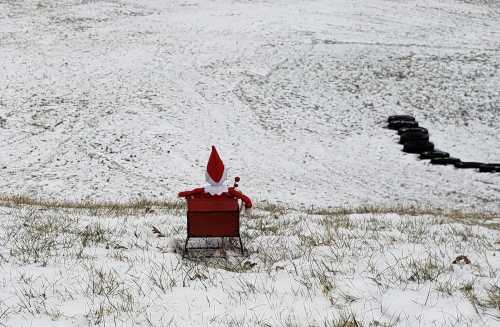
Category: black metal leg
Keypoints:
(241, 245)
(185, 247)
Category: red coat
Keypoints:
(198, 193)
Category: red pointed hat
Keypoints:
(215, 166)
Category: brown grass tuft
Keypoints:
(111, 207)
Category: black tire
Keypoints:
(444, 161)
(416, 142)
(467, 164)
(414, 132)
(412, 136)
(403, 130)
(400, 117)
(418, 147)
(489, 168)
(434, 154)
(397, 124)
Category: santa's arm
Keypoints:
(238, 195)
(187, 194)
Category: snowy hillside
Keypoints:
(112, 100)
(122, 99)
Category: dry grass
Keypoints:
(275, 209)
(492, 299)
(407, 210)
(345, 320)
(98, 207)
(320, 254)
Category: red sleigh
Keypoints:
(218, 216)
(213, 210)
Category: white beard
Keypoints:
(214, 188)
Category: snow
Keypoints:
(78, 268)
(112, 100)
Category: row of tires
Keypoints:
(415, 139)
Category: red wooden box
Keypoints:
(213, 217)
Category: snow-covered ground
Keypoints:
(122, 99)
(112, 100)
(84, 268)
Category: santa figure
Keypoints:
(216, 184)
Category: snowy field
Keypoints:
(115, 100)
(122, 99)
(323, 269)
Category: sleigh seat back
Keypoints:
(213, 217)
